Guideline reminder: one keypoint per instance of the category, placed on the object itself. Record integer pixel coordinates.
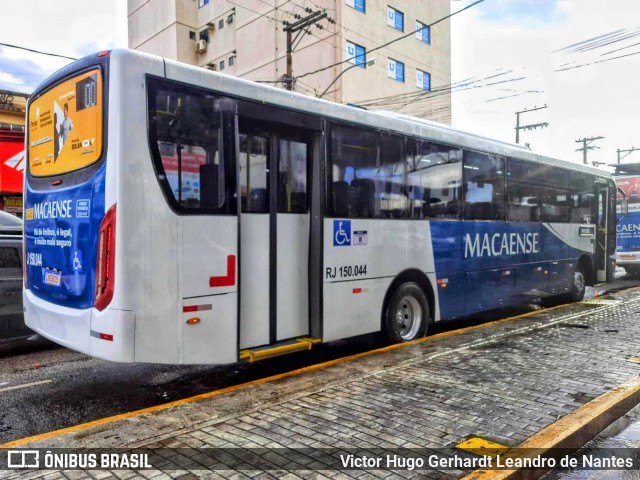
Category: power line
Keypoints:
(394, 40)
(328, 38)
(397, 52)
(416, 97)
(36, 51)
(452, 85)
(600, 41)
(596, 62)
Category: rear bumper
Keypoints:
(80, 329)
(631, 258)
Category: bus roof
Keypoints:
(385, 120)
(626, 168)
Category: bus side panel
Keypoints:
(567, 234)
(209, 278)
(447, 247)
(147, 243)
(361, 259)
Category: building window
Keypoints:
(221, 64)
(395, 19)
(192, 35)
(220, 24)
(202, 3)
(423, 80)
(358, 5)
(204, 35)
(423, 32)
(356, 54)
(395, 70)
(232, 61)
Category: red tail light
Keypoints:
(106, 260)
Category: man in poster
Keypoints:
(67, 124)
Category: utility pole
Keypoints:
(633, 149)
(300, 27)
(528, 127)
(586, 145)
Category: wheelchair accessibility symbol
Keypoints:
(77, 260)
(341, 233)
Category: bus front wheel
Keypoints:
(407, 316)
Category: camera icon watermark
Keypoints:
(23, 459)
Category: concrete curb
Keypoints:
(572, 431)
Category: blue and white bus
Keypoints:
(178, 215)
(627, 178)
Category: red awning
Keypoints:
(11, 162)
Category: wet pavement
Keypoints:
(504, 381)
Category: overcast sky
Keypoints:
(508, 56)
(538, 42)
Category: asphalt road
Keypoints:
(44, 387)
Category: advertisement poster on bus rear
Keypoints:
(627, 228)
(65, 126)
(631, 187)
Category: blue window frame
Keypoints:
(359, 5)
(423, 32)
(395, 70)
(423, 80)
(395, 19)
(356, 54)
(202, 3)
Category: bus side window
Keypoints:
(555, 195)
(484, 187)
(254, 187)
(391, 184)
(523, 180)
(582, 198)
(354, 165)
(434, 180)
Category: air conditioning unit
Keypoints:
(201, 46)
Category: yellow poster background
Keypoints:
(60, 144)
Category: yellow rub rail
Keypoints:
(297, 345)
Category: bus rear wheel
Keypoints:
(632, 269)
(407, 315)
(579, 285)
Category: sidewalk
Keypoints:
(503, 382)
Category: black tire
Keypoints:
(579, 285)
(407, 314)
(632, 269)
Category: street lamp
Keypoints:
(369, 63)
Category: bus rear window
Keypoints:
(65, 126)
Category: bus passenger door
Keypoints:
(603, 218)
(274, 238)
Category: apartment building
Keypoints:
(338, 58)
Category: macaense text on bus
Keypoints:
(493, 245)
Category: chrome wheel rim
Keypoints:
(408, 317)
